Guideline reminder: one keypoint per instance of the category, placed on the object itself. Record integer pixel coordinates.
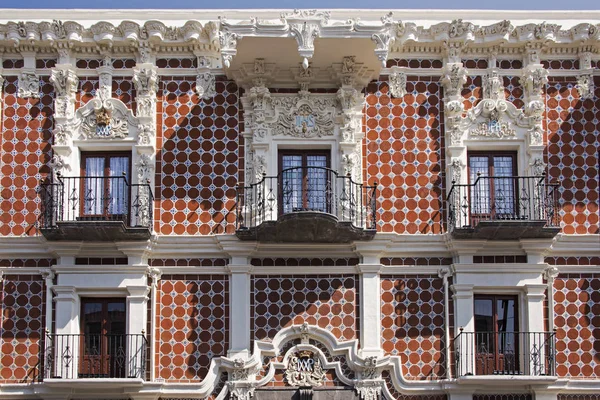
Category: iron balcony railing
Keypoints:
(96, 198)
(307, 189)
(78, 356)
(502, 198)
(505, 353)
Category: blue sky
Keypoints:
(323, 4)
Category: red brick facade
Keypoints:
(23, 313)
(378, 292)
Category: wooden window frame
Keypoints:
(104, 363)
(304, 153)
(497, 357)
(490, 155)
(107, 155)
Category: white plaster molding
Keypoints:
(397, 82)
(29, 85)
(585, 86)
(228, 43)
(65, 81)
(145, 79)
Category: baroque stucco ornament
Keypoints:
(205, 85)
(110, 113)
(397, 83)
(29, 85)
(307, 117)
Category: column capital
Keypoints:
(240, 268)
(462, 291)
(369, 268)
(65, 293)
(139, 293)
(535, 290)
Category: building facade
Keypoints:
(300, 204)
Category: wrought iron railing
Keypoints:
(90, 198)
(302, 189)
(78, 356)
(505, 353)
(502, 198)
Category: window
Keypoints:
(496, 330)
(305, 181)
(104, 342)
(105, 189)
(493, 195)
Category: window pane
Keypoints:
(291, 184)
(93, 186)
(317, 185)
(504, 189)
(119, 167)
(484, 325)
(480, 194)
(506, 325)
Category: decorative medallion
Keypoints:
(304, 369)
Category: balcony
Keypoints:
(503, 208)
(505, 353)
(306, 204)
(96, 209)
(95, 356)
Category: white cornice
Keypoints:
(425, 17)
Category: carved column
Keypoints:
(65, 81)
(454, 76)
(351, 103)
(534, 78)
(257, 104)
(145, 79)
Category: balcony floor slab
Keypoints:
(96, 231)
(306, 227)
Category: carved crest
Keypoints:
(103, 117)
(304, 369)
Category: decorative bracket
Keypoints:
(228, 42)
(305, 27)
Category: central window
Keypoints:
(494, 193)
(105, 187)
(305, 180)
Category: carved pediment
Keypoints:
(494, 118)
(105, 119)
